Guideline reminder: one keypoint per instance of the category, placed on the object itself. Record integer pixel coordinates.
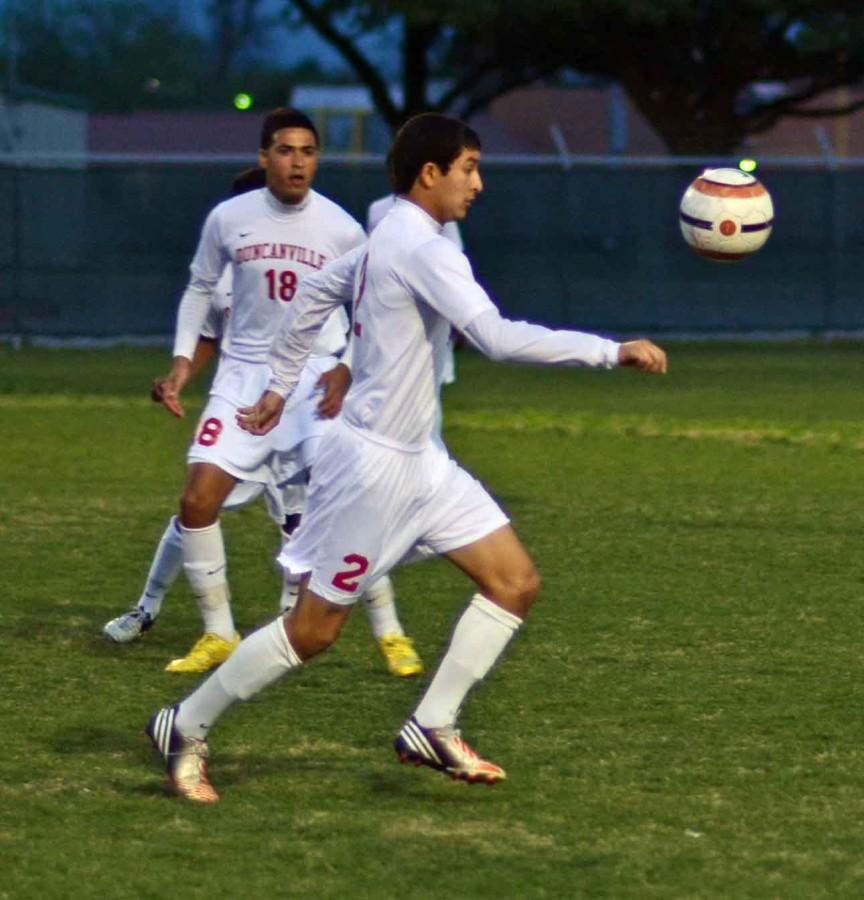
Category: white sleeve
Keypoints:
(220, 302)
(317, 297)
(503, 339)
(347, 357)
(206, 269)
(440, 275)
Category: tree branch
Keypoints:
(367, 73)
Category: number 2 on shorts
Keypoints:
(346, 580)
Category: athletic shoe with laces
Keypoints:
(185, 758)
(129, 626)
(443, 749)
(208, 652)
(402, 658)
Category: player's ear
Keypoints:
(262, 159)
(429, 174)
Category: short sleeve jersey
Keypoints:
(270, 247)
(410, 285)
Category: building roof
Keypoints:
(174, 131)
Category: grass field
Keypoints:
(680, 717)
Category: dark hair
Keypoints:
(429, 137)
(248, 180)
(283, 117)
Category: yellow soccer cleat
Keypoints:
(402, 658)
(208, 652)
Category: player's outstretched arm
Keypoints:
(264, 416)
(335, 383)
(318, 295)
(644, 355)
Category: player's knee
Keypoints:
(311, 635)
(197, 509)
(529, 588)
(518, 590)
(309, 642)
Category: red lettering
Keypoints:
(347, 580)
(281, 285)
(209, 432)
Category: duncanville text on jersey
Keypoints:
(280, 251)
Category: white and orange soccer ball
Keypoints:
(726, 214)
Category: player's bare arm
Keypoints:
(264, 416)
(644, 355)
(335, 383)
(173, 384)
(204, 353)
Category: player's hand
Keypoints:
(644, 355)
(172, 384)
(263, 416)
(335, 383)
(157, 388)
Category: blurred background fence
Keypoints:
(100, 246)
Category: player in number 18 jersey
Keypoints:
(271, 238)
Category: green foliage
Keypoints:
(692, 69)
(689, 68)
(679, 717)
(109, 53)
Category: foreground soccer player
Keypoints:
(383, 487)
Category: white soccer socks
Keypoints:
(261, 659)
(380, 603)
(480, 636)
(206, 569)
(166, 566)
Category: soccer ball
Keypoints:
(726, 214)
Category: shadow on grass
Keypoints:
(408, 782)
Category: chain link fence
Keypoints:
(100, 247)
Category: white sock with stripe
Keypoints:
(166, 566)
(380, 603)
(262, 658)
(206, 568)
(479, 638)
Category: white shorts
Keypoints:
(371, 506)
(280, 457)
(282, 500)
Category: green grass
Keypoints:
(680, 717)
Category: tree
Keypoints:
(430, 37)
(694, 68)
(236, 25)
(111, 54)
(706, 74)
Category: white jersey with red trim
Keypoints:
(409, 285)
(270, 246)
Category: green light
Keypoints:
(242, 101)
(748, 165)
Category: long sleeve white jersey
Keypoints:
(216, 322)
(380, 207)
(270, 246)
(409, 284)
